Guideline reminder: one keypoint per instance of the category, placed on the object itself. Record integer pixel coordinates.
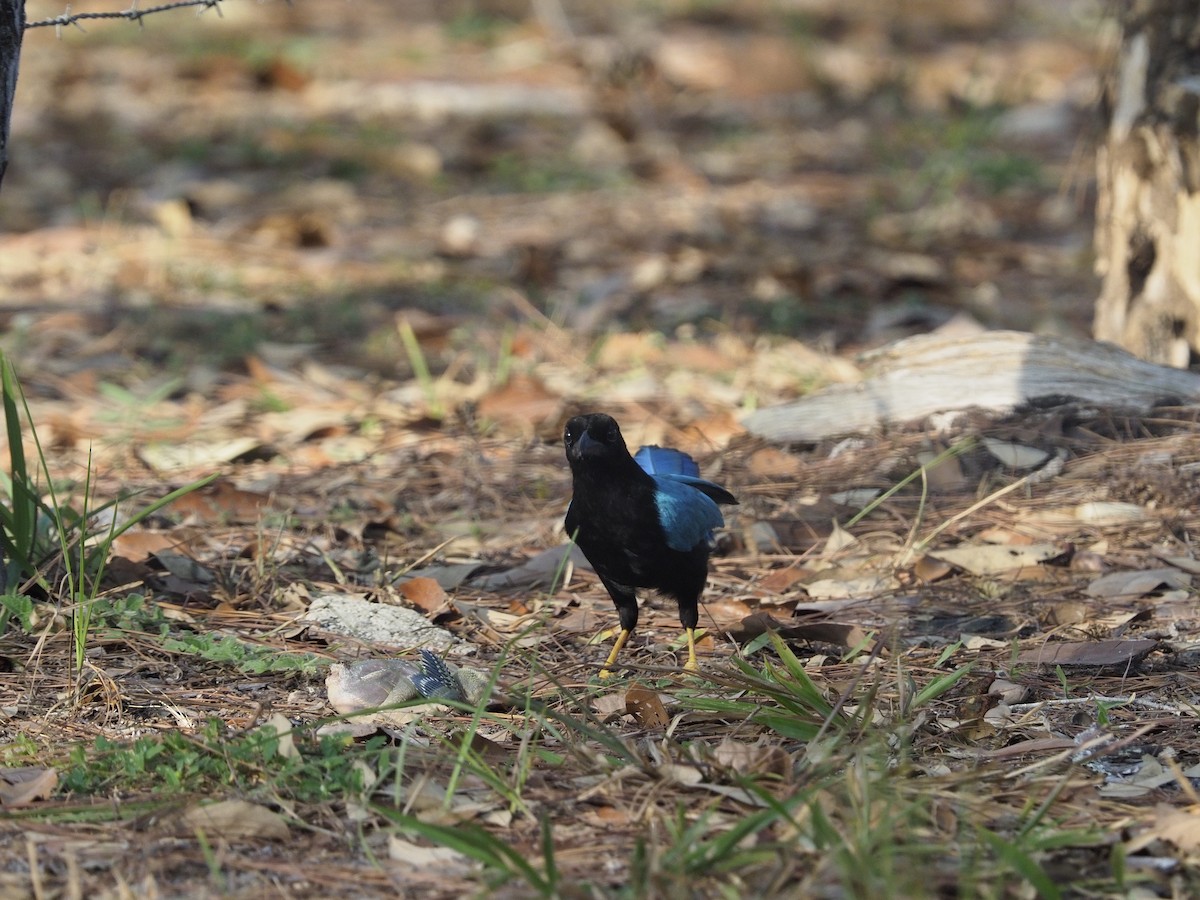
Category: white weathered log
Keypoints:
(997, 371)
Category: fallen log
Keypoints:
(996, 371)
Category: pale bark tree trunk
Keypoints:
(1148, 208)
(12, 29)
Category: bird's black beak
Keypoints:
(585, 445)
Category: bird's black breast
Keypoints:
(620, 534)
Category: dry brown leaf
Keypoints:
(1015, 456)
(400, 850)
(1008, 691)
(630, 348)
(311, 456)
(611, 815)
(523, 402)
(646, 707)
(1186, 563)
(771, 462)
(752, 759)
(825, 632)
(1026, 574)
(236, 820)
(581, 620)
(698, 357)
(449, 576)
(296, 426)
(21, 786)
(850, 587)
(979, 642)
(990, 559)
(855, 498)
(839, 539)
(67, 430)
(610, 706)
(493, 618)
(1091, 654)
(1180, 827)
(193, 455)
(780, 580)
(1150, 775)
(431, 329)
(715, 429)
(221, 501)
(726, 612)
(689, 776)
(945, 476)
(1138, 583)
(929, 569)
(136, 545)
(424, 593)
(283, 731)
(184, 567)
(999, 534)
(192, 591)
(1087, 561)
(123, 571)
(550, 567)
(1067, 612)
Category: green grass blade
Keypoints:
(1023, 864)
(551, 884)
(471, 841)
(154, 507)
(806, 690)
(21, 527)
(939, 686)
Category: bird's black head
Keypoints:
(593, 438)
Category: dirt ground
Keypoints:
(362, 260)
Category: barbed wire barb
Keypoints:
(133, 14)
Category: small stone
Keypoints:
(460, 236)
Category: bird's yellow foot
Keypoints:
(691, 664)
(606, 670)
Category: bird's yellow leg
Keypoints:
(690, 665)
(612, 656)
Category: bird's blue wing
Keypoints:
(665, 461)
(688, 515)
(714, 491)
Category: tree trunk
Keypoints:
(1148, 208)
(12, 29)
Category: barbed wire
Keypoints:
(133, 14)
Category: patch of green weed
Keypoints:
(518, 173)
(217, 761)
(245, 657)
(941, 157)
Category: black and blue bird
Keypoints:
(643, 521)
